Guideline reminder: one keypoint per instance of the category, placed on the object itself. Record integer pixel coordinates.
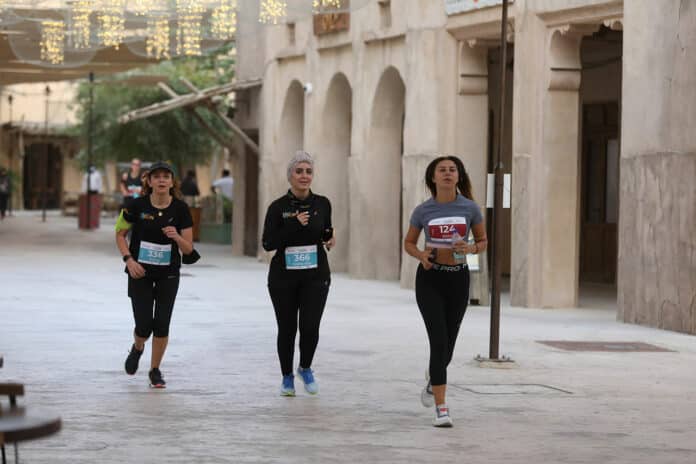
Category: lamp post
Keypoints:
(45, 164)
(90, 130)
(494, 340)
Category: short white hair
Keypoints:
(300, 157)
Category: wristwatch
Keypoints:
(126, 258)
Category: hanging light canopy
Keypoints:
(112, 22)
(157, 43)
(224, 20)
(81, 26)
(143, 7)
(272, 11)
(322, 5)
(189, 34)
(53, 41)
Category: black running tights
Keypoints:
(306, 298)
(147, 292)
(442, 298)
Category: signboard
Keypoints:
(462, 6)
(327, 23)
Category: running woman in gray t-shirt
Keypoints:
(442, 280)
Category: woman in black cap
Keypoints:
(161, 228)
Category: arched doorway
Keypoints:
(332, 163)
(384, 176)
(290, 130)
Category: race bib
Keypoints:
(155, 254)
(301, 257)
(135, 190)
(440, 231)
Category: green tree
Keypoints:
(175, 136)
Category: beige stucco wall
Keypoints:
(657, 249)
(442, 64)
(416, 52)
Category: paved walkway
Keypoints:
(65, 328)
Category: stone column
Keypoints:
(546, 177)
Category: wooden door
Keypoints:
(599, 201)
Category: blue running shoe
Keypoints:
(310, 385)
(288, 386)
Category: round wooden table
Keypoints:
(21, 424)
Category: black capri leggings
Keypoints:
(442, 297)
(308, 298)
(149, 291)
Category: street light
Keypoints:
(494, 341)
(90, 130)
(44, 186)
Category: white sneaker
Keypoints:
(442, 417)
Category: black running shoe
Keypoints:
(156, 379)
(132, 360)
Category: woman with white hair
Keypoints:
(298, 227)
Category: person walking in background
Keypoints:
(189, 188)
(131, 183)
(92, 180)
(225, 184)
(5, 190)
(298, 227)
(442, 280)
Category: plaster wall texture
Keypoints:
(657, 249)
(422, 54)
(29, 103)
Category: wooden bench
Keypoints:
(13, 390)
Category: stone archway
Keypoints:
(290, 129)
(383, 195)
(332, 163)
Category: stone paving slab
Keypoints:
(65, 328)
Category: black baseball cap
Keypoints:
(160, 165)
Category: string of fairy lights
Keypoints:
(166, 28)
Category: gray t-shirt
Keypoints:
(440, 220)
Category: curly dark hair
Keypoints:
(175, 191)
(464, 183)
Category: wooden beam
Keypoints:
(181, 101)
(228, 122)
(198, 97)
(211, 130)
(192, 110)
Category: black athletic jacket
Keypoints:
(281, 229)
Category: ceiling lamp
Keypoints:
(272, 11)
(53, 41)
(112, 21)
(190, 15)
(80, 12)
(224, 20)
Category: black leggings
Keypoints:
(149, 291)
(3, 204)
(442, 297)
(308, 297)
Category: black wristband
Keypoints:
(126, 258)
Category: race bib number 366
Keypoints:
(155, 254)
(302, 257)
(440, 230)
